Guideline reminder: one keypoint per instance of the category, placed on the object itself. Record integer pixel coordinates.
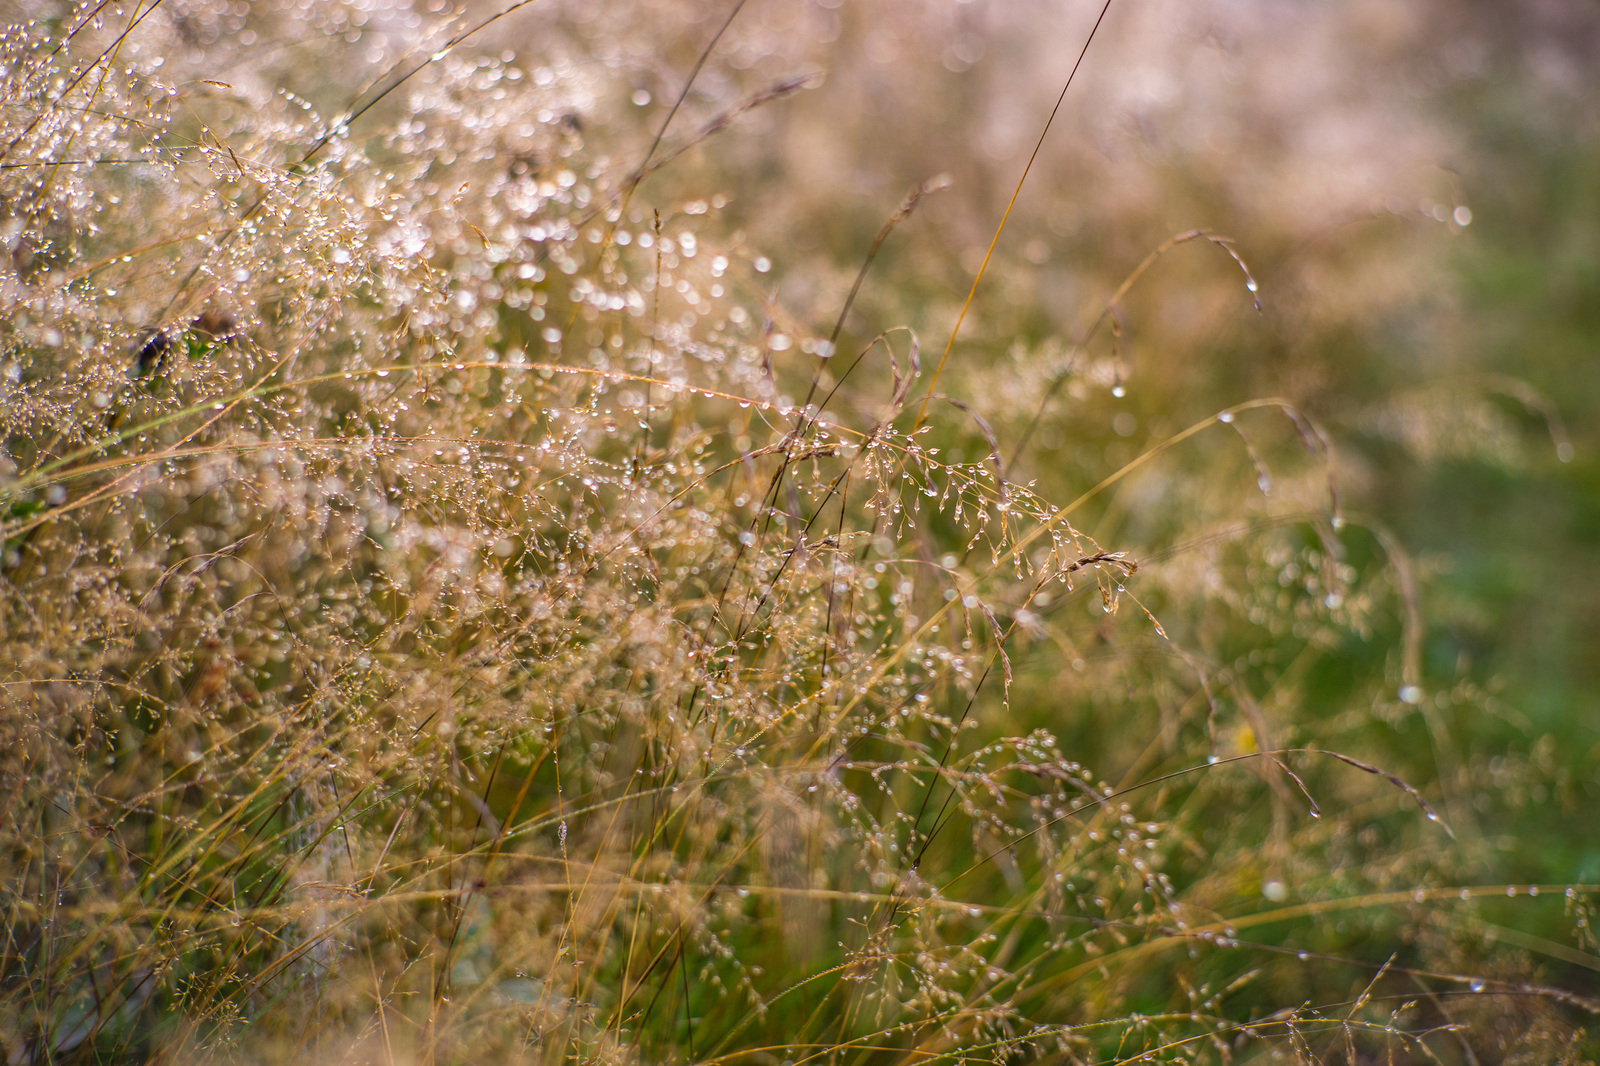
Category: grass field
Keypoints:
(675, 532)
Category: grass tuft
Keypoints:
(456, 608)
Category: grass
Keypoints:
(455, 610)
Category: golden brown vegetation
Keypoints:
(457, 606)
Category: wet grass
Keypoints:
(455, 610)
